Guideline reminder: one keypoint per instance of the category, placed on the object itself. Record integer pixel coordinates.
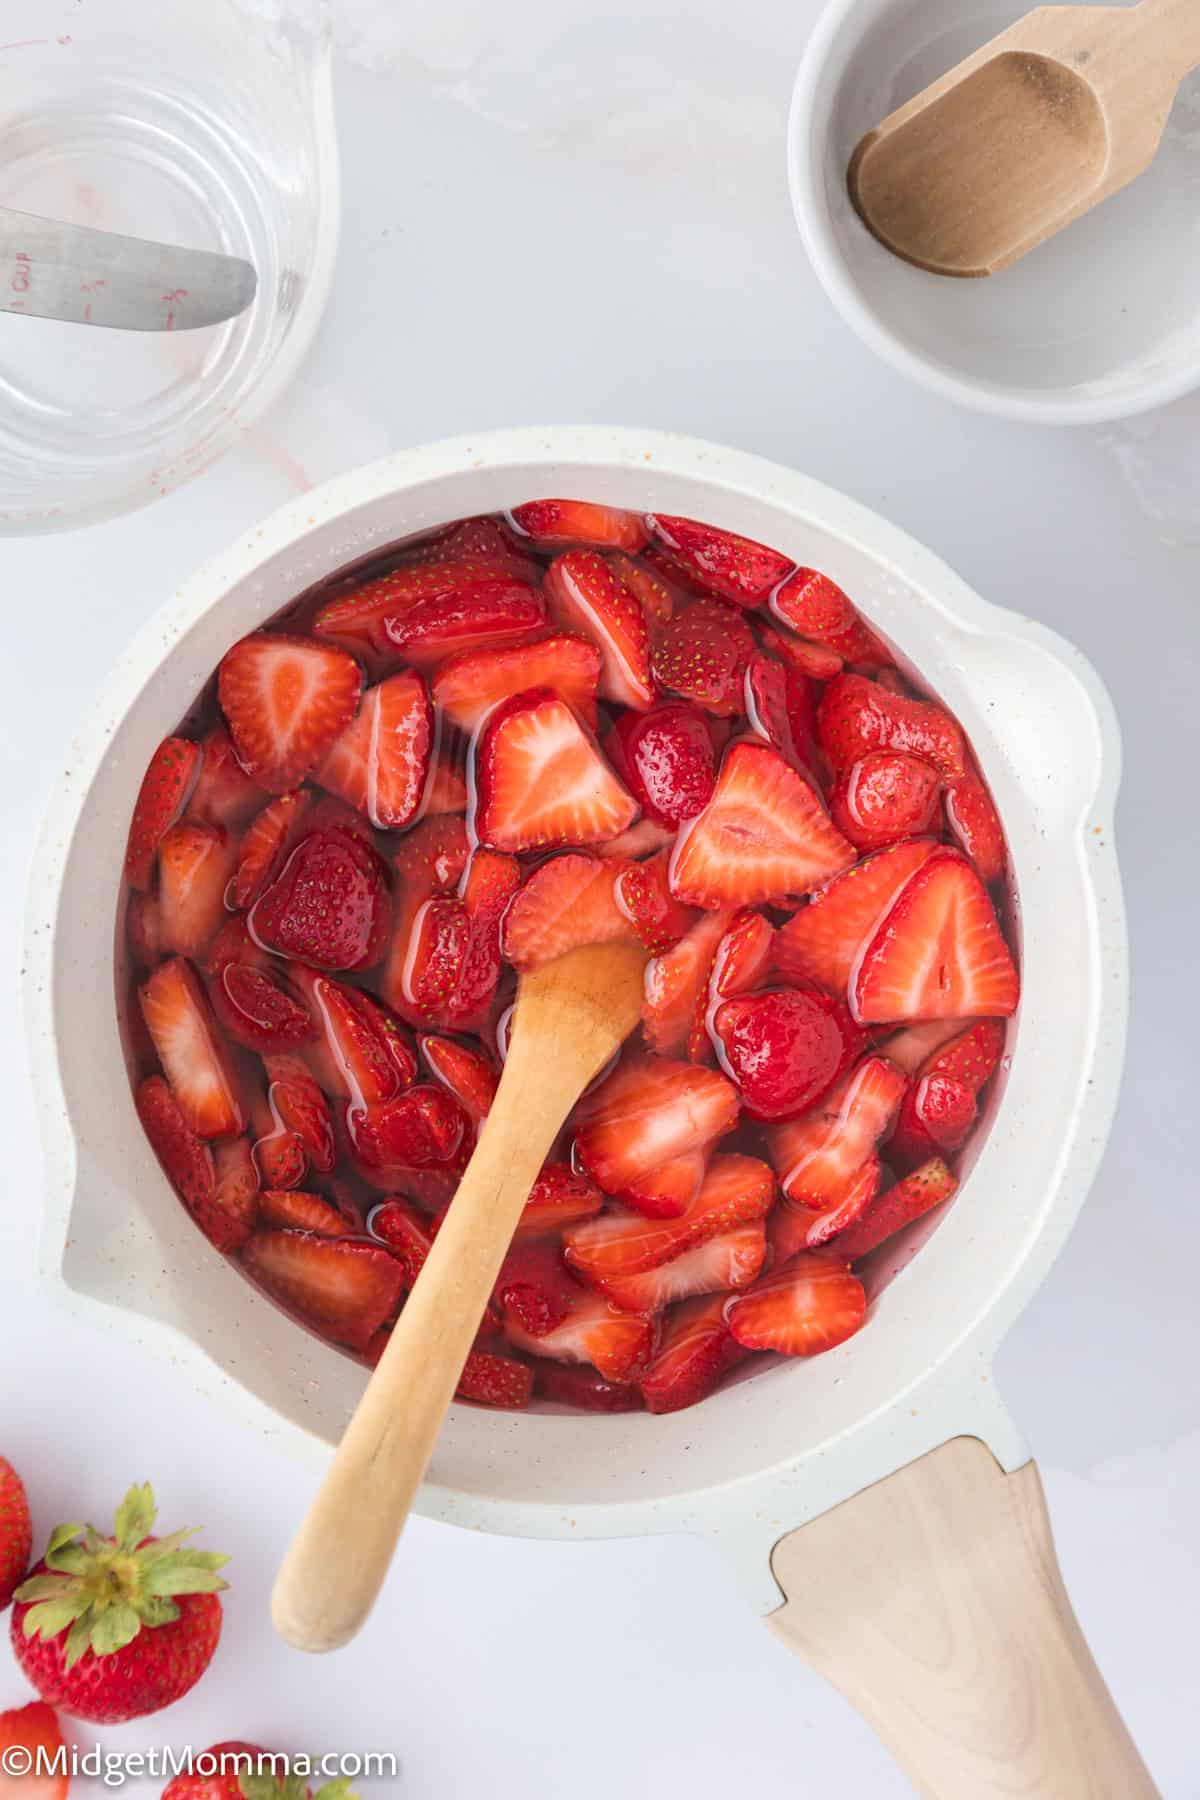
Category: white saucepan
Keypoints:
(878, 1501)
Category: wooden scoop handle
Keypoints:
(934, 1601)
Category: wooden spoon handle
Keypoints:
(1174, 26)
(336, 1565)
(934, 1601)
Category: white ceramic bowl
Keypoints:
(764, 1454)
(1101, 322)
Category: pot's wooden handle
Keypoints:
(934, 1601)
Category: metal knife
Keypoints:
(56, 271)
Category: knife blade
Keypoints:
(52, 270)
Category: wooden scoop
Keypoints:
(1043, 123)
(571, 1016)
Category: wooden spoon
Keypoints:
(1039, 126)
(571, 1016)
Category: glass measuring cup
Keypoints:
(207, 123)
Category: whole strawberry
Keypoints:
(112, 1628)
(16, 1534)
(244, 1772)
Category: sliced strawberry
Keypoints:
(165, 790)
(541, 781)
(492, 1380)
(479, 537)
(731, 1260)
(195, 863)
(560, 1196)
(569, 1384)
(143, 930)
(918, 1193)
(735, 567)
(285, 700)
(431, 859)
(467, 1072)
(677, 985)
(696, 1351)
(763, 837)
(665, 757)
(236, 1193)
(815, 661)
(365, 1055)
(329, 905)
(491, 615)
(785, 1048)
(489, 888)
(407, 1233)
(972, 817)
(422, 977)
(643, 895)
(884, 797)
(938, 954)
(796, 1228)
(423, 1129)
(811, 1304)
(703, 654)
(300, 1107)
(233, 944)
(380, 762)
(186, 1161)
(345, 1289)
(818, 1158)
(737, 1190)
(916, 1045)
(642, 839)
(358, 618)
(567, 902)
(191, 1051)
(265, 844)
(534, 1288)
(658, 596)
(857, 716)
(649, 1112)
(971, 1056)
(780, 707)
(586, 597)
(824, 939)
(552, 522)
(257, 1012)
(668, 1191)
(936, 1117)
(741, 964)
(466, 687)
(809, 603)
(292, 1210)
(617, 1344)
(225, 794)
(278, 1152)
(446, 789)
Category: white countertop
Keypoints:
(574, 214)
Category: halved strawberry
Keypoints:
(585, 596)
(647, 1113)
(938, 954)
(735, 567)
(346, 1289)
(471, 1077)
(815, 661)
(642, 839)
(541, 781)
(729, 1261)
(970, 1056)
(186, 1161)
(643, 895)
(365, 1055)
(235, 1196)
(823, 940)
(737, 1190)
(266, 841)
(667, 1191)
(915, 1045)
(166, 787)
(380, 762)
(466, 687)
(785, 1048)
(811, 1304)
(917, 1194)
(935, 1118)
(291, 1209)
(257, 1012)
(329, 905)
(560, 1196)
(492, 1380)
(813, 605)
(300, 1106)
(857, 716)
(143, 930)
(972, 817)
(666, 759)
(431, 859)
(659, 597)
(886, 796)
(492, 615)
(278, 1151)
(285, 700)
(763, 837)
(421, 1129)
(534, 1287)
(446, 788)
(570, 1384)
(618, 1344)
(780, 707)
(818, 1158)
(489, 887)
(796, 1228)
(195, 863)
(677, 986)
(702, 654)
(407, 1233)
(191, 1050)
(550, 522)
(740, 964)
(359, 617)
(233, 944)
(696, 1351)
(567, 902)
(224, 794)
